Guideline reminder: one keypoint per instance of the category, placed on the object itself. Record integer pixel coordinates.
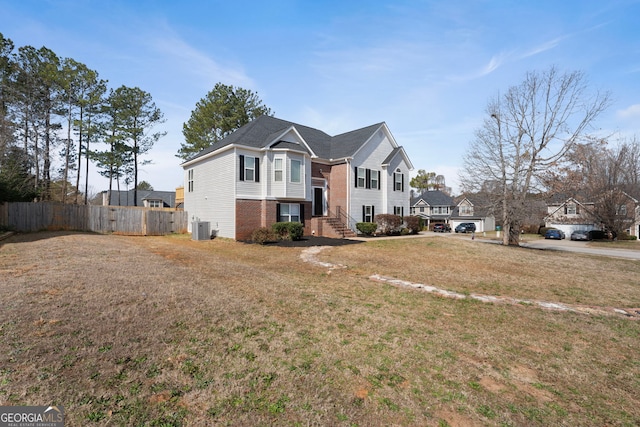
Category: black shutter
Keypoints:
(403, 182)
(373, 213)
(355, 171)
(302, 213)
(257, 166)
(368, 178)
(379, 179)
(394, 181)
(402, 211)
(241, 167)
(364, 212)
(278, 212)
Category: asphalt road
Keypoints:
(581, 247)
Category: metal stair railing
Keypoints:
(343, 218)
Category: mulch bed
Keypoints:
(309, 241)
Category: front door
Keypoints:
(318, 201)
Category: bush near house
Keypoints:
(367, 228)
(389, 224)
(288, 230)
(626, 236)
(263, 235)
(413, 223)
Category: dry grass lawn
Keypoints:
(167, 331)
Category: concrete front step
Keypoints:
(339, 228)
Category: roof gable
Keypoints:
(290, 139)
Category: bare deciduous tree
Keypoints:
(527, 131)
(607, 176)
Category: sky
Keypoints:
(426, 68)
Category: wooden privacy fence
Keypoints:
(101, 219)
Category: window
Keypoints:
(249, 168)
(289, 212)
(362, 177)
(398, 181)
(155, 203)
(296, 166)
(466, 210)
(622, 210)
(421, 209)
(368, 212)
(190, 181)
(570, 210)
(398, 210)
(277, 170)
(375, 179)
(367, 178)
(439, 210)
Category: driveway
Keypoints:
(580, 247)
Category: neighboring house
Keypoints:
(272, 170)
(475, 209)
(437, 207)
(146, 198)
(570, 214)
(180, 197)
(433, 206)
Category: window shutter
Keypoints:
(367, 178)
(402, 211)
(403, 183)
(373, 213)
(257, 169)
(394, 181)
(379, 179)
(355, 174)
(241, 167)
(302, 213)
(278, 212)
(364, 213)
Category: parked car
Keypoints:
(466, 227)
(441, 228)
(580, 235)
(599, 235)
(553, 233)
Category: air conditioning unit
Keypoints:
(200, 230)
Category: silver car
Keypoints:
(580, 235)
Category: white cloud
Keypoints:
(542, 48)
(176, 51)
(632, 112)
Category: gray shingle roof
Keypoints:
(125, 198)
(264, 129)
(434, 198)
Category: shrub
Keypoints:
(288, 230)
(367, 228)
(413, 224)
(531, 229)
(263, 235)
(389, 224)
(625, 236)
